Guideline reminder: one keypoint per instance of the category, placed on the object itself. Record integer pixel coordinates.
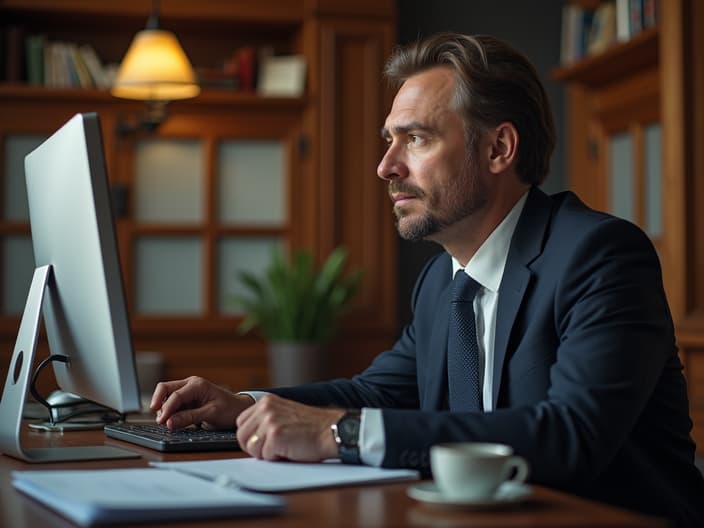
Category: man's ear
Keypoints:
(503, 148)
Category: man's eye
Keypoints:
(415, 139)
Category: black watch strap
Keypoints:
(346, 435)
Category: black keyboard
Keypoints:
(155, 436)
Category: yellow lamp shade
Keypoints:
(155, 68)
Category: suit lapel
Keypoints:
(437, 367)
(526, 245)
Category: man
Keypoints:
(568, 353)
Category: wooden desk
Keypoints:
(364, 506)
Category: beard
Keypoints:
(444, 206)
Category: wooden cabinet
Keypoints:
(645, 98)
(326, 140)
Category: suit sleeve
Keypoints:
(389, 382)
(615, 340)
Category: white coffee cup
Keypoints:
(473, 470)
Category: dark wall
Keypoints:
(530, 26)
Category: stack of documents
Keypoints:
(90, 497)
(260, 475)
(187, 490)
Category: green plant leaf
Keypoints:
(292, 300)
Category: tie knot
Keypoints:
(464, 287)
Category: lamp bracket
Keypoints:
(149, 121)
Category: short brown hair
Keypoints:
(495, 84)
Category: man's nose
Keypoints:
(391, 167)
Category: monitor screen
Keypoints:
(73, 231)
(75, 249)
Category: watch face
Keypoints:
(348, 429)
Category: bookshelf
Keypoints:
(303, 140)
(635, 126)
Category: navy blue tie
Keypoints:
(462, 349)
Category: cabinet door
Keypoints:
(355, 209)
(634, 176)
(616, 147)
(208, 197)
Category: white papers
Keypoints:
(261, 475)
(88, 497)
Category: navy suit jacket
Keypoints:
(588, 386)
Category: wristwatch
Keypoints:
(346, 435)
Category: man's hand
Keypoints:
(275, 428)
(194, 400)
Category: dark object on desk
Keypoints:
(159, 437)
(66, 411)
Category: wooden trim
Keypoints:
(674, 154)
(260, 12)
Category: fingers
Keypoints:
(247, 436)
(275, 428)
(197, 401)
(180, 403)
(162, 391)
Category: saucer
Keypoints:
(509, 493)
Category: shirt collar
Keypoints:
(488, 263)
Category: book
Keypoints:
(571, 13)
(2, 53)
(85, 80)
(95, 66)
(246, 67)
(636, 7)
(117, 496)
(34, 55)
(623, 20)
(603, 30)
(576, 25)
(650, 13)
(271, 477)
(15, 54)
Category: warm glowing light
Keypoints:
(155, 68)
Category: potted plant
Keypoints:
(297, 308)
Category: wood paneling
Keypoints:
(331, 138)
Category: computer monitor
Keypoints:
(78, 283)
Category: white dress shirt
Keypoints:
(487, 268)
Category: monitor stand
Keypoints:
(17, 384)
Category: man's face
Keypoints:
(433, 181)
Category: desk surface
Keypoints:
(367, 506)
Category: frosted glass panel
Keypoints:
(17, 270)
(169, 181)
(14, 189)
(251, 183)
(241, 254)
(621, 176)
(653, 180)
(169, 276)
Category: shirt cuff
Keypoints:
(372, 444)
(256, 395)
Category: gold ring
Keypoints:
(252, 440)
